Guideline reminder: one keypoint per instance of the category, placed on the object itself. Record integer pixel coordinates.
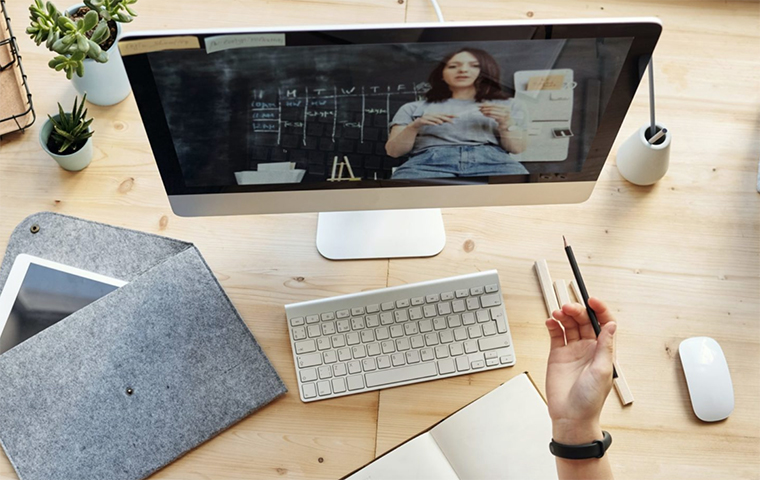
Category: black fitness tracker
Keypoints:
(594, 449)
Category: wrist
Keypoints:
(573, 432)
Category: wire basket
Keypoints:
(16, 108)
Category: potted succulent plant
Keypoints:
(84, 39)
(67, 137)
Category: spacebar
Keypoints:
(403, 374)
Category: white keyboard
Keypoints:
(399, 335)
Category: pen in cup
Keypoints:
(657, 136)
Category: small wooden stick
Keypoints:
(545, 280)
(577, 292)
(621, 386)
(560, 287)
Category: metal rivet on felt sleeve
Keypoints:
(35, 228)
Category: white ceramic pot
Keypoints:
(105, 83)
(72, 162)
(642, 163)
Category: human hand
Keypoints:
(501, 113)
(579, 371)
(432, 119)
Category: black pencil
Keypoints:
(584, 293)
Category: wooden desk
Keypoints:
(678, 259)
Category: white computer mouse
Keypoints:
(708, 378)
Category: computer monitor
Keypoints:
(378, 126)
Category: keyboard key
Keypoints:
(427, 354)
(383, 362)
(489, 329)
(382, 333)
(352, 338)
(325, 372)
(506, 359)
(344, 354)
(444, 308)
(412, 356)
(328, 328)
(359, 351)
(401, 316)
(402, 344)
(338, 341)
(374, 308)
(441, 351)
(417, 341)
(488, 301)
(312, 319)
(355, 383)
(309, 390)
(357, 311)
(411, 329)
(412, 372)
(492, 362)
(307, 346)
(339, 385)
(372, 321)
(447, 296)
(295, 322)
(339, 369)
(456, 349)
(491, 343)
(432, 298)
(330, 356)
(368, 364)
(338, 314)
(314, 331)
(354, 366)
(458, 306)
(478, 364)
(439, 323)
(463, 364)
(328, 316)
(426, 326)
(323, 388)
(446, 336)
(429, 311)
(415, 313)
(373, 349)
(500, 317)
(402, 303)
(308, 375)
(343, 326)
(388, 346)
(386, 318)
(418, 301)
(491, 354)
(369, 335)
(309, 360)
(454, 321)
(460, 334)
(483, 316)
(474, 331)
(476, 291)
(387, 306)
(397, 331)
(446, 366)
(470, 346)
(431, 339)
(473, 303)
(398, 359)
(323, 343)
(299, 333)
(357, 323)
(462, 293)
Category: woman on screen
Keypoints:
(466, 126)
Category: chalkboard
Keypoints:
(231, 110)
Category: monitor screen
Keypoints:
(378, 108)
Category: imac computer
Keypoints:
(378, 126)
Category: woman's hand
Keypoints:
(501, 113)
(432, 119)
(579, 371)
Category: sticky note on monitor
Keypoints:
(547, 82)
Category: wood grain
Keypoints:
(675, 260)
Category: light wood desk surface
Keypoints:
(675, 260)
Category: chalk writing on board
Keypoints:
(319, 104)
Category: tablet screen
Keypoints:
(47, 296)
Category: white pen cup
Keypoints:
(641, 162)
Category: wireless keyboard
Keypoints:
(399, 335)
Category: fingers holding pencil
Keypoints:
(603, 313)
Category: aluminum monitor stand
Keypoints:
(380, 234)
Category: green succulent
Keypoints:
(71, 129)
(74, 41)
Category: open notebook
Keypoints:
(505, 434)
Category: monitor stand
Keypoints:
(380, 234)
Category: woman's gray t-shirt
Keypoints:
(470, 127)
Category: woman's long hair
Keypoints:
(487, 85)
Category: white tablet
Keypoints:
(40, 293)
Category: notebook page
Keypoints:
(418, 459)
(505, 434)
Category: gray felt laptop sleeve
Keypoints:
(170, 337)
